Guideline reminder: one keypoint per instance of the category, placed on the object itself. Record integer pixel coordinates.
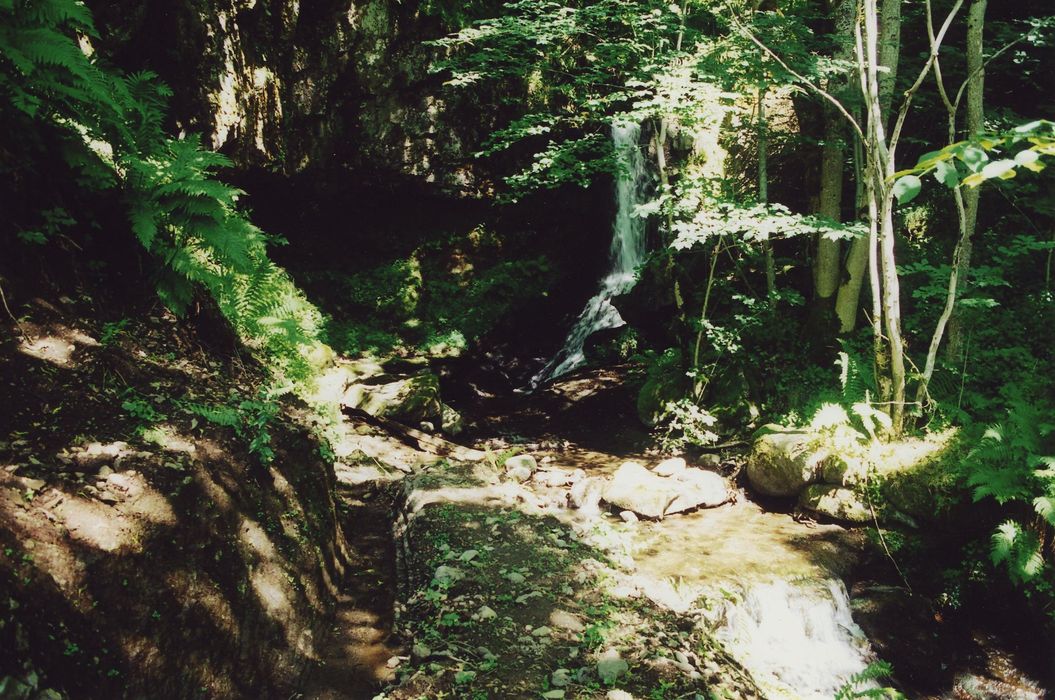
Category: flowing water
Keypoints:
(626, 253)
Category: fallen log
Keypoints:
(416, 438)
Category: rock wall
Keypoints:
(291, 86)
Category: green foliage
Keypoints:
(684, 424)
(875, 671)
(250, 418)
(969, 163)
(425, 304)
(110, 127)
(1014, 464)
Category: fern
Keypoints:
(1009, 466)
(177, 209)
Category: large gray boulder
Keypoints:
(835, 502)
(783, 462)
(645, 493)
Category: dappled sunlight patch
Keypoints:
(93, 524)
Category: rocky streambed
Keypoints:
(550, 568)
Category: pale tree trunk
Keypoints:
(975, 125)
(827, 267)
(966, 201)
(887, 52)
(880, 170)
(763, 189)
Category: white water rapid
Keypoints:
(798, 639)
(626, 253)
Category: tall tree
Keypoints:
(827, 268)
(888, 51)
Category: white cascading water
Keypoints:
(797, 637)
(626, 253)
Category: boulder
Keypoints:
(783, 462)
(410, 400)
(669, 467)
(636, 489)
(521, 462)
(836, 502)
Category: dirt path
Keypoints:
(353, 661)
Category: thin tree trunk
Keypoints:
(975, 125)
(886, 54)
(763, 189)
(966, 202)
(827, 261)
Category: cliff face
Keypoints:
(291, 87)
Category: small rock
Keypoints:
(681, 657)
(553, 694)
(394, 661)
(426, 426)
(519, 474)
(560, 678)
(33, 484)
(610, 666)
(420, 652)
(486, 613)
(669, 467)
(515, 577)
(617, 694)
(541, 631)
(521, 461)
(448, 574)
(628, 516)
(105, 471)
(468, 555)
(709, 460)
(107, 497)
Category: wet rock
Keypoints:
(636, 489)
(708, 490)
(669, 467)
(554, 477)
(586, 494)
(783, 462)
(835, 502)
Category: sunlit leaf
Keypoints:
(907, 188)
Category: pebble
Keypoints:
(628, 516)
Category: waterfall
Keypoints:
(798, 637)
(625, 254)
